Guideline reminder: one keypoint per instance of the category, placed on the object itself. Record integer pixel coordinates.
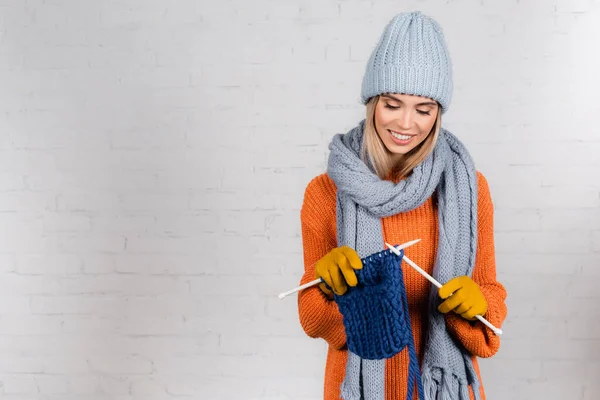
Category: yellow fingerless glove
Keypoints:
(463, 296)
(336, 269)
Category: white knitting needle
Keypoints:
(317, 281)
(431, 279)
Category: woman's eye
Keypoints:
(391, 107)
(423, 112)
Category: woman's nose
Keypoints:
(405, 120)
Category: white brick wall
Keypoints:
(153, 158)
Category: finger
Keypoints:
(339, 284)
(474, 311)
(353, 257)
(463, 307)
(452, 302)
(324, 274)
(470, 313)
(325, 290)
(450, 287)
(348, 271)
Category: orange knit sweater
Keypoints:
(320, 317)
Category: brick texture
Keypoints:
(153, 158)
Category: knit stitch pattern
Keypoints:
(363, 199)
(320, 317)
(376, 316)
(411, 57)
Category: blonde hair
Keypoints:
(381, 158)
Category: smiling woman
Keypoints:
(398, 176)
(400, 132)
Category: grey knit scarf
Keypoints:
(362, 200)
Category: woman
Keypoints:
(395, 177)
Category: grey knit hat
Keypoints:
(410, 58)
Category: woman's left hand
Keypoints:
(463, 296)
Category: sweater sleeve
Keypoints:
(476, 337)
(319, 315)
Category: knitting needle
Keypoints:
(319, 280)
(431, 279)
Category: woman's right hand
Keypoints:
(337, 268)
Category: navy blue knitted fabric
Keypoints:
(375, 314)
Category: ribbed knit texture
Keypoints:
(363, 199)
(320, 316)
(376, 318)
(411, 57)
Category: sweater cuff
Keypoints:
(477, 338)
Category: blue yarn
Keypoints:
(375, 314)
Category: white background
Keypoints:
(153, 159)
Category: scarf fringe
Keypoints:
(440, 386)
(429, 385)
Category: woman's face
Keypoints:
(404, 121)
